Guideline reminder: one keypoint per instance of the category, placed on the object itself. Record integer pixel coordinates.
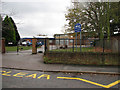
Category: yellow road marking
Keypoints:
(6, 73)
(32, 75)
(105, 86)
(44, 75)
(113, 84)
(20, 74)
(2, 72)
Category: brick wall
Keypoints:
(82, 58)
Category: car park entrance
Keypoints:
(35, 45)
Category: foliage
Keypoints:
(96, 18)
(9, 31)
(16, 31)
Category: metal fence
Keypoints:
(84, 45)
(73, 45)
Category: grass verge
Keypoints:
(14, 48)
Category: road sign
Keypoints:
(77, 27)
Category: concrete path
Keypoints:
(25, 60)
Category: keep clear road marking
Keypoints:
(24, 74)
(34, 75)
(105, 86)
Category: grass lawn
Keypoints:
(14, 48)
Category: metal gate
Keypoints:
(26, 47)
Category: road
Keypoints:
(33, 79)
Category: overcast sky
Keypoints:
(38, 16)
(43, 17)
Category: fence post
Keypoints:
(103, 44)
(17, 48)
(59, 40)
(103, 57)
(73, 45)
(3, 45)
(47, 45)
(119, 45)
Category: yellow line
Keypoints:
(105, 86)
(84, 81)
(113, 84)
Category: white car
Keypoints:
(24, 43)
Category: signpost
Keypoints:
(78, 29)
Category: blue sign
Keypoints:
(77, 27)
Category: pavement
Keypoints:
(25, 60)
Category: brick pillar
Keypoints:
(3, 45)
(46, 45)
(34, 46)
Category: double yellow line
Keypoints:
(105, 86)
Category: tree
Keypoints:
(95, 18)
(0, 25)
(9, 31)
(16, 31)
(87, 16)
(115, 15)
(73, 17)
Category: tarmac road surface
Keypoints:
(12, 78)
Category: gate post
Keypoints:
(3, 45)
(46, 45)
(34, 46)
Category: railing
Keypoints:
(89, 52)
(87, 45)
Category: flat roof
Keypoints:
(39, 37)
